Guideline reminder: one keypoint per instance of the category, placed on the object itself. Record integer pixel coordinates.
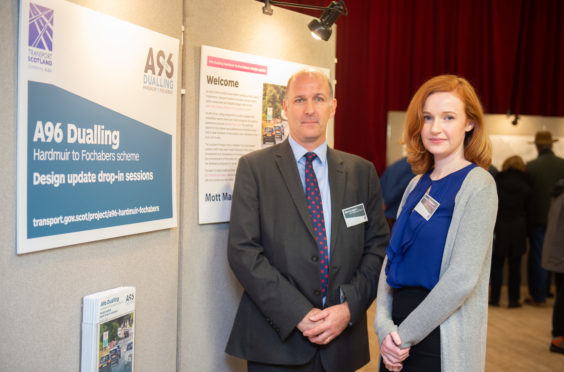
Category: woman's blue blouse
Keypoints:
(416, 247)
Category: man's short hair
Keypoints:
(310, 71)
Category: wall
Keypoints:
(186, 295)
(209, 292)
(41, 293)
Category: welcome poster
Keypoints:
(240, 111)
(97, 103)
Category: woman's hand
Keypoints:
(392, 355)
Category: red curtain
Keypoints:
(512, 51)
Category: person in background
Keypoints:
(307, 260)
(493, 170)
(553, 260)
(543, 172)
(394, 180)
(431, 311)
(513, 191)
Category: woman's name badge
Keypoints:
(427, 206)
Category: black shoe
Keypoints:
(494, 303)
(557, 345)
(514, 304)
(530, 301)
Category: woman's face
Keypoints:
(445, 124)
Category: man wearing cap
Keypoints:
(544, 171)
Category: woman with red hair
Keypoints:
(431, 312)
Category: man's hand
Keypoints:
(329, 323)
(391, 354)
(306, 323)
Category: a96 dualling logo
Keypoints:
(130, 298)
(159, 72)
(40, 40)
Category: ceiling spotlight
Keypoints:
(320, 28)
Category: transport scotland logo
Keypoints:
(41, 27)
(40, 39)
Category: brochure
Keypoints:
(108, 330)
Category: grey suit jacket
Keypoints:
(273, 254)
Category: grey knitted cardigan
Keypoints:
(458, 302)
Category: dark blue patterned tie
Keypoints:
(315, 207)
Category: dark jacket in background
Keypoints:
(514, 191)
(553, 248)
(544, 171)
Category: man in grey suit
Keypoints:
(290, 318)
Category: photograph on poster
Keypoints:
(274, 122)
(96, 134)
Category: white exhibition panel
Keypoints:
(240, 111)
(97, 106)
(505, 146)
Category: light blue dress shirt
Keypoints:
(321, 169)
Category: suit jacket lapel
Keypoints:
(286, 163)
(337, 181)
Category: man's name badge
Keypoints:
(355, 215)
(427, 206)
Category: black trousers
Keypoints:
(514, 282)
(558, 311)
(426, 355)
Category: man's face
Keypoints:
(308, 107)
